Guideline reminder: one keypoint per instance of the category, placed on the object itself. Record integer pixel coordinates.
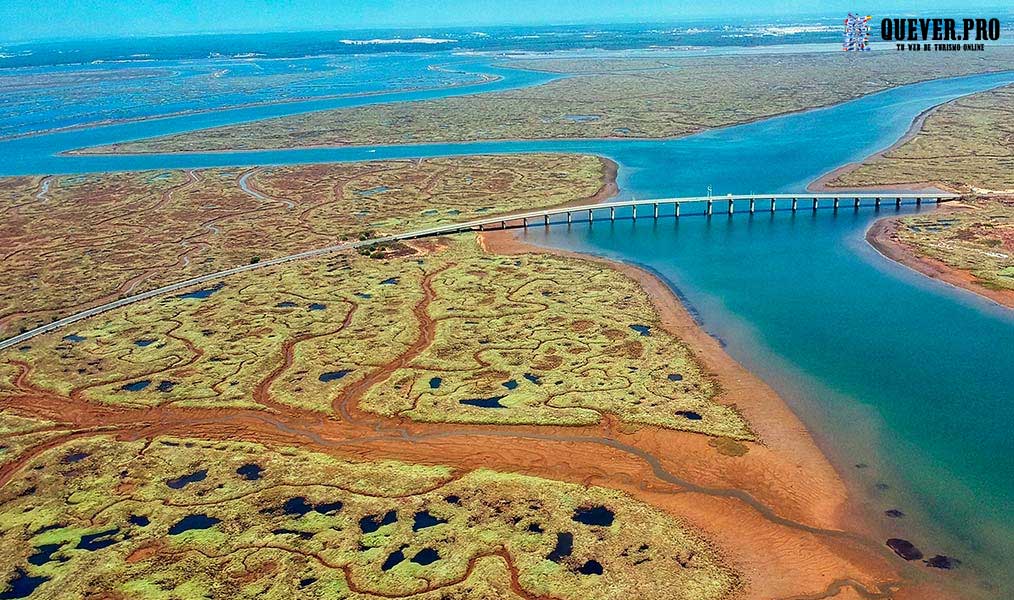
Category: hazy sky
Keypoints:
(39, 19)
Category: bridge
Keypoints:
(664, 207)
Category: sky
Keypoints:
(27, 20)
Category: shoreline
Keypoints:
(880, 235)
(485, 79)
(614, 138)
(823, 183)
(786, 451)
(786, 467)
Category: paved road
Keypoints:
(478, 224)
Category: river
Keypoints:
(889, 369)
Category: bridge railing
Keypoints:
(727, 201)
(474, 225)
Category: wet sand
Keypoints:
(779, 514)
(808, 504)
(881, 235)
(824, 182)
(785, 471)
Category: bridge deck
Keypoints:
(474, 225)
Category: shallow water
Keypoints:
(888, 368)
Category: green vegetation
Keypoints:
(78, 241)
(979, 240)
(559, 340)
(181, 518)
(635, 98)
(966, 144)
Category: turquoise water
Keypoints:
(888, 368)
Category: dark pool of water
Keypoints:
(644, 330)
(675, 377)
(297, 506)
(139, 520)
(97, 541)
(390, 281)
(393, 559)
(594, 515)
(144, 342)
(511, 384)
(136, 386)
(564, 546)
(22, 585)
(317, 306)
(201, 293)
(73, 338)
(43, 554)
(533, 378)
(426, 556)
(590, 567)
(185, 480)
(492, 402)
(435, 383)
(424, 519)
(250, 471)
(689, 415)
(166, 386)
(191, 522)
(286, 304)
(371, 523)
(75, 457)
(333, 375)
(300, 506)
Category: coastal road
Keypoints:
(476, 225)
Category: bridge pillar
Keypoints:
(795, 202)
(591, 215)
(773, 205)
(525, 222)
(877, 203)
(570, 217)
(939, 200)
(634, 211)
(897, 202)
(732, 205)
(655, 211)
(676, 206)
(545, 220)
(612, 213)
(814, 203)
(503, 224)
(708, 212)
(752, 208)
(918, 200)
(836, 203)
(855, 203)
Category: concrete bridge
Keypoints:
(673, 207)
(666, 207)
